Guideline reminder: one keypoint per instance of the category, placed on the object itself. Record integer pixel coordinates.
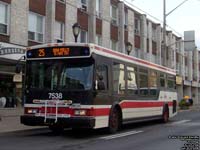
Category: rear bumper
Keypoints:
(75, 122)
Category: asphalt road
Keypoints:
(182, 130)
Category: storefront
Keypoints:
(10, 90)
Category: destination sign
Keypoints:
(47, 52)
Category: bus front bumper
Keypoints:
(74, 122)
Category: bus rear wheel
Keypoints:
(114, 121)
(165, 116)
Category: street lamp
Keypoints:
(129, 47)
(76, 30)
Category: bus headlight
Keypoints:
(80, 112)
(32, 111)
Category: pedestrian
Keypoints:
(190, 101)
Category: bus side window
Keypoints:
(143, 81)
(132, 87)
(102, 77)
(171, 82)
(162, 80)
(118, 78)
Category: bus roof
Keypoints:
(111, 54)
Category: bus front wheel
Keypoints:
(114, 121)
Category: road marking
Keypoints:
(120, 135)
(179, 122)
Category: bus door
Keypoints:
(102, 85)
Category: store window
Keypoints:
(4, 18)
(36, 27)
(7, 91)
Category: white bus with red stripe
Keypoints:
(88, 86)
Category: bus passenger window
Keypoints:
(152, 79)
(143, 81)
(162, 80)
(171, 81)
(118, 78)
(132, 81)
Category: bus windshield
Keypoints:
(59, 75)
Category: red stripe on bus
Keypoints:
(70, 111)
(143, 104)
(101, 112)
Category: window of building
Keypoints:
(84, 5)
(98, 8)
(4, 21)
(114, 14)
(99, 40)
(154, 34)
(59, 31)
(83, 37)
(63, 1)
(137, 26)
(118, 78)
(36, 27)
(113, 45)
(126, 20)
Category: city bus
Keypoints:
(78, 86)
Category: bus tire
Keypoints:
(165, 115)
(114, 120)
(56, 129)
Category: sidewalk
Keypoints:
(10, 120)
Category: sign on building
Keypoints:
(189, 40)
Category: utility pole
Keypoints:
(164, 34)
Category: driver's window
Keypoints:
(102, 77)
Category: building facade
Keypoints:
(109, 23)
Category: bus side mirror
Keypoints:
(18, 68)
